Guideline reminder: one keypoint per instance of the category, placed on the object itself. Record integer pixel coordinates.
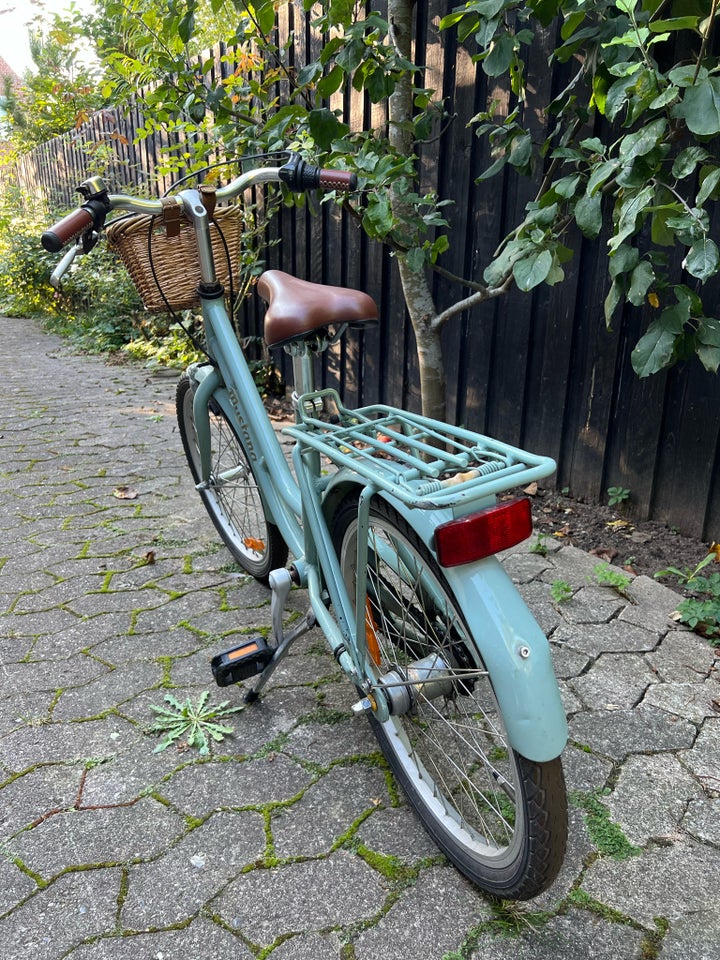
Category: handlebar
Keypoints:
(297, 174)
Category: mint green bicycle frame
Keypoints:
(511, 644)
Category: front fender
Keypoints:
(512, 646)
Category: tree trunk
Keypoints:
(416, 289)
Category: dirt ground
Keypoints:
(642, 546)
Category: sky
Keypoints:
(14, 17)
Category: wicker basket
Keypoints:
(174, 258)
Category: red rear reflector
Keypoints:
(482, 534)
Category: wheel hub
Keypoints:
(428, 678)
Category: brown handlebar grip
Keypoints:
(337, 180)
(62, 232)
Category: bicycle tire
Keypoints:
(499, 817)
(235, 506)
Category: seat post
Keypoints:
(303, 361)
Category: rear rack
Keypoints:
(422, 462)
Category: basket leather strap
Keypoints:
(208, 196)
(171, 216)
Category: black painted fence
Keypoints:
(537, 369)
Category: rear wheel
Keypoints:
(232, 497)
(499, 817)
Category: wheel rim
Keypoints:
(451, 749)
(232, 494)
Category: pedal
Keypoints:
(239, 663)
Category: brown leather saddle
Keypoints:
(298, 309)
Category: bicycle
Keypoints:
(394, 526)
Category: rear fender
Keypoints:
(512, 646)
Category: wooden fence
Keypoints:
(536, 369)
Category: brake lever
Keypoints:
(62, 268)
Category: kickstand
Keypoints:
(254, 657)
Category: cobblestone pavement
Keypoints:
(290, 841)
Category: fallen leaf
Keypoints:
(604, 553)
(618, 524)
(562, 532)
(149, 557)
(628, 568)
(637, 537)
(125, 493)
(715, 548)
(531, 489)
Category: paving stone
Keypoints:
(25, 799)
(661, 882)
(14, 884)
(691, 701)
(614, 680)
(417, 928)
(702, 820)
(65, 742)
(303, 897)
(592, 605)
(200, 940)
(327, 810)
(682, 656)
(537, 596)
(575, 934)
(50, 675)
(568, 662)
(176, 885)
(652, 605)
(203, 787)
(73, 908)
(651, 796)
(571, 565)
(613, 637)
(397, 832)
(524, 567)
(617, 733)
(324, 742)
(97, 836)
(702, 760)
(107, 691)
(584, 770)
(693, 937)
(315, 946)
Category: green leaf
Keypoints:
(631, 207)
(641, 280)
(325, 127)
(309, 73)
(654, 350)
(687, 160)
(186, 27)
(265, 13)
(498, 60)
(702, 260)
(532, 270)
(700, 107)
(501, 267)
(643, 141)
(415, 258)
(378, 215)
(623, 260)
(601, 174)
(612, 301)
(588, 215)
(709, 185)
(520, 152)
(674, 23)
(331, 83)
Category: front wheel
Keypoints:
(232, 497)
(499, 817)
